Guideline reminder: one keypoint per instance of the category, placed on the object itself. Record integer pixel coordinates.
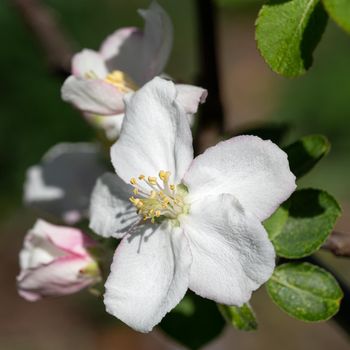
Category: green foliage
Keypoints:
(302, 224)
(305, 153)
(339, 10)
(242, 318)
(305, 291)
(194, 322)
(287, 32)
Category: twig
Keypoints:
(57, 47)
(211, 120)
(338, 243)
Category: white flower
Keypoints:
(61, 184)
(127, 59)
(55, 261)
(185, 223)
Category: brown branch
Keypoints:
(211, 119)
(338, 243)
(41, 20)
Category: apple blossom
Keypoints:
(127, 59)
(185, 223)
(62, 183)
(55, 261)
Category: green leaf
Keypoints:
(305, 153)
(339, 10)
(194, 322)
(305, 291)
(242, 318)
(287, 32)
(302, 224)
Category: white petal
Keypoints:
(232, 255)
(110, 125)
(111, 213)
(87, 62)
(155, 134)
(190, 96)
(256, 172)
(116, 42)
(92, 96)
(141, 54)
(149, 276)
(158, 40)
(63, 182)
(122, 50)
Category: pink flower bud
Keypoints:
(55, 261)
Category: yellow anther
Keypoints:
(121, 81)
(153, 194)
(135, 191)
(172, 187)
(157, 213)
(164, 175)
(152, 180)
(141, 177)
(133, 181)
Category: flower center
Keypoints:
(121, 81)
(160, 199)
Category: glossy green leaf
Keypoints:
(287, 32)
(194, 322)
(339, 11)
(242, 318)
(305, 291)
(305, 153)
(303, 223)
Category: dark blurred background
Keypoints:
(33, 118)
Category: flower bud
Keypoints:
(55, 261)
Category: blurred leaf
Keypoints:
(242, 318)
(305, 291)
(305, 153)
(339, 10)
(194, 322)
(268, 131)
(287, 32)
(302, 224)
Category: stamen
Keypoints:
(160, 201)
(121, 81)
(152, 180)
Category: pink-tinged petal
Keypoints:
(111, 213)
(88, 62)
(190, 96)
(149, 276)
(254, 171)
(69, 239)
(92, 96)
(61, 277)
(155, 134)
(232, 255)
(158, 40)
(50, 188)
